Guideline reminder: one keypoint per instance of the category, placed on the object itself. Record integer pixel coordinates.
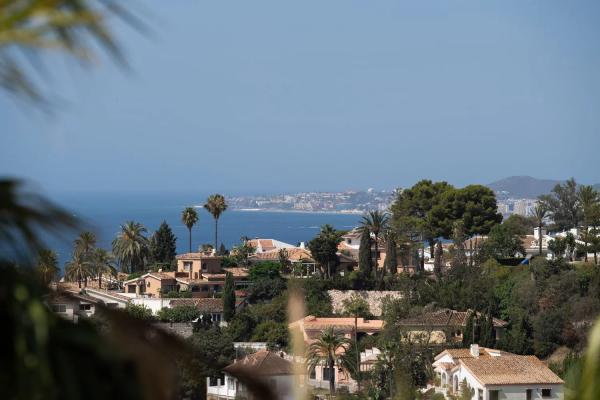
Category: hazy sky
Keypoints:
(256, 96)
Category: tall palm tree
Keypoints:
(539, 213)
(327, 349)
(588, 201)
(47, 265)
(216, 205)
(78, 269)
(189, 217)
(131, 247)
(85, 243)
(376, 222)
(103, 262)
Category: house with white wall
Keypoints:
(279, 374)
(491, 374)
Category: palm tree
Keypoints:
(189, 217)
(130, 247)
(85, 243)
(539, 213)
(78, 268)
(588, 201)
(47, 265)
(376, 222)
(327, 350)
(216, 205)
(103, 262)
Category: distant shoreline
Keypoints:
(297, 211)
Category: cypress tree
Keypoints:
(391, 258)
(468, 332)
(365, 259)
(163, 245)
(222, 250)
(437, 260)
(228, 298)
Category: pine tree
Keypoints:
(229, 298)
(365, 258)
(163, 245)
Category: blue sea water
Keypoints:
(103, 215)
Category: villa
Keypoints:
(443, 326)
(71, 306)
(279, 374)
(491, 374)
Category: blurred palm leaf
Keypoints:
(72, 27)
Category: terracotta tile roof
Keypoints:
(237, 272)
(261, 363)
(445, 317)
(510, 370)
(205, 305)
(196, 256)
(313, 323)
(294, 255)
(158, 275)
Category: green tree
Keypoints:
(265, 269)
(563, 205)
(326, 350)
(365, 258)
(391, 255)
(130, 247)
(502, 243)
(558, 247)
(274, 333)
(469, 332)
(413, 208)
(229, 297)
(163, 245)
(223, 250)
(140, 311)
(519, 224)
(47, 265)
(539, 213)
(459, 258)
(216, 205)
(78, 268)
(102, 262)
(438, 259)
(589, 201)
(189, 217)
(323, 249)
(356, 306)
(375, 222)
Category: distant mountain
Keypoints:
(524, 187)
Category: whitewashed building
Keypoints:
(491, 374)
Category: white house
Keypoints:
(496, 375)
(71, 306)
(276, 372)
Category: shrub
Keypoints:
(179, 314)
(140, 311)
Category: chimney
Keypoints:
(302, 246)
(475, 350)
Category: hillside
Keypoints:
(522, 186)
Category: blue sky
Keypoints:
(270, 96)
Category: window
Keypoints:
(312, 374)
(203, 266)
(327, 372)
(148, 283)
(112, 305)
(494, 394)
(59, 308)
(187, 265)
(479, 394)
(546, 392)
(528, 393)
(130, 288)
(195, 275)
(85, 307)
(230, 383)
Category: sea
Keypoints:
(103, 214)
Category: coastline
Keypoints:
(349, 212)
